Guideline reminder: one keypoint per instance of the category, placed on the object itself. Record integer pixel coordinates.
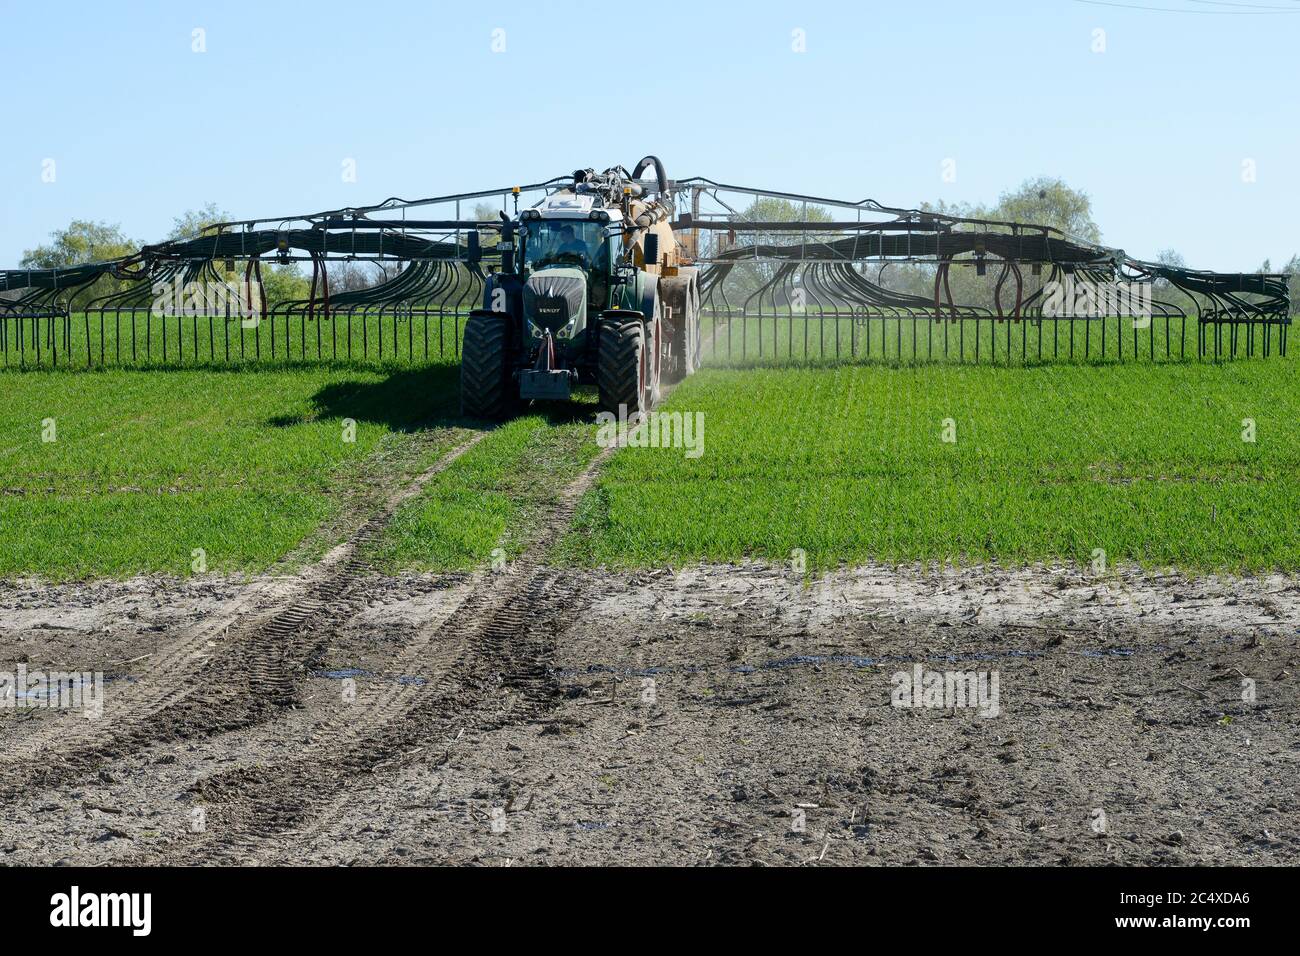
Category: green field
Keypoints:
(1145, 462)
(494, 496)
(146, 467)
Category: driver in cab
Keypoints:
(567, 243)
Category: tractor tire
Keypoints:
(487, 389)
(681, 293)
(656, 355)
(622, 367)
(694, 341)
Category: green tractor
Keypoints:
(592, 290)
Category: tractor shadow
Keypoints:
(413, 399)
(404, 400)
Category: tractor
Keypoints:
(592, 289)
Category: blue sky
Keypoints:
(1155, 129)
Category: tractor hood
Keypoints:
(555, 300)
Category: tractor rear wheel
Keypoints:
(625, 367)
(694, 347)
(681, 293)
(487, 389)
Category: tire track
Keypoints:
(191, 689)
(486, 665)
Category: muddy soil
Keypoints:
(712, 715)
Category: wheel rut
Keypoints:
(486, 664)
(239, 669)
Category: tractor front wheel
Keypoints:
(487, 389)
(627, 371)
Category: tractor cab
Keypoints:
(551, 242)
(574, 231)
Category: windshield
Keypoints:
(576, 242)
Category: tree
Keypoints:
(351, 276)
(1043, 201)
(1046, 201)
(958, 210)
(284, 282)
(195, 222)
(81, 242)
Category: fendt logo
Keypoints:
(77, 909)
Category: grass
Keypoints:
(846, 462)
(1146, 462)
(149, 466)
(494, 496)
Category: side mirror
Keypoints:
(651, 247)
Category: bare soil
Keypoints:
(710, 715)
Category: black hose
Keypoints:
(660, 175)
